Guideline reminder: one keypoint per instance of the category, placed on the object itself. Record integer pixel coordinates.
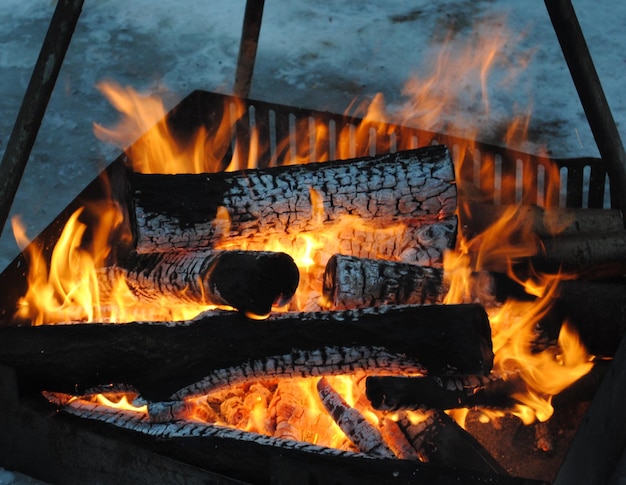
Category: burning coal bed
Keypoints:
(331, 307)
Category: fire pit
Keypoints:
(170, 363)
(265, 294)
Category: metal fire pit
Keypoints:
(78, 450)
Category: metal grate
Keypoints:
(287, 134)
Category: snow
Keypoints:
(321, 56)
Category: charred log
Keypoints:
(416, 185)
(161, 358)
(325, 361)
(423, 244)
(391, 393)
(544, 222)
(596, 256)
(394, 393)
(249, 281)
(351, 282)
(260, 459)
(440, 441)
(363, 435)
(397, 441)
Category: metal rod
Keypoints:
(35, 101)
(247, 48)
(587, 82)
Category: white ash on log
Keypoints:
(416, 185)
(364, 435)
(255, 458)
(326, 361)
(351, 282)
(422, 244)
(297, 364)
(293, 417)
(249, 281)
(444, 339)
(397, 440)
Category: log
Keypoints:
(416, 185)
(595, 309)
(595, 256)
(249, 281)
(254, 458)
(441, 442)
(288, 411)
(299, 364)
(422, 245)
(589, 256)
(365, 436)
(161, 358)
(391, 393)
(544, 222)
(351, 282)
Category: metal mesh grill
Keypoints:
(287, 135)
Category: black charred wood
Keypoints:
(160, 358)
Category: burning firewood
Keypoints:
(392, 393)
(294, 417)
(249, 281)
(588, 242)
(351, 282)
(253, 457)
(438, 440)
(443, 339)
(364, 435)
(422, 244)
(416, 185)
(546, 222)
(300, 363)
(397, 440)
(596, 256)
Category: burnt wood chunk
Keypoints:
(593, 256)
(351, 282)
(161, 358)
(416, 185)
(300, 363)
(438, 440)
(407, 393)
(254, 458)
(544, 222)
(249, 281)
(422, 244)
(363, 434)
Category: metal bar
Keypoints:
(35, 101)
(587, 82)
(247, 48)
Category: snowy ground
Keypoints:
(320, 56)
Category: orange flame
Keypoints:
(150, 143)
